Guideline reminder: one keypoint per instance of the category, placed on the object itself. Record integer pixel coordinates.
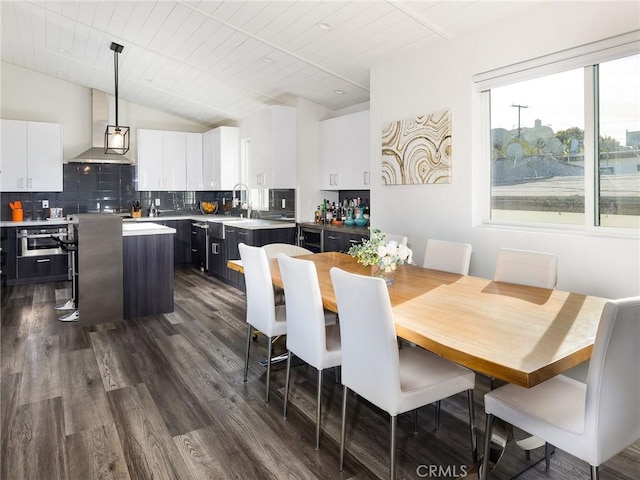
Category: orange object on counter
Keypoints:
(17, 214)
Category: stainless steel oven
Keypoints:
(39, 241)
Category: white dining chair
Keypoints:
(524, 267)
(399, 239)
(308, 335)
(592, 421)
(273, 250)
(262, 312)
(395, 380)
(446, 256)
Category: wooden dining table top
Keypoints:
(522, 335)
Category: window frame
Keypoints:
(586, 57)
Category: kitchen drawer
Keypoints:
(45, 266)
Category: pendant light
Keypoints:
(116, 137)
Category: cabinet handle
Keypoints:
(214, 248)
(29, 182)
(21, 182)
(331, 237)
(194, 250)
(353, 241)
(194, 233)
(336, 180)
(366, 178)
(43, 260)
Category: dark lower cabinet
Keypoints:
(218, 258)
(147, 275)
(341, 241)
(182, 241)
(43, 266)
(9, 244)
(198, 247)
(255, 238)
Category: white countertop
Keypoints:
(145, 228)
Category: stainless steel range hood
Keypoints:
(100, 120)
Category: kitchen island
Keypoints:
(148, 269)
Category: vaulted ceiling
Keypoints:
(219, 61)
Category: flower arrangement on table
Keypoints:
(383, 256)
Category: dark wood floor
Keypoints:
(163, 397)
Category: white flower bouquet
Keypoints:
(386, 255)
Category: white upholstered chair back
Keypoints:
(259, 290)
(447, 256)
(370, 362)
(306, 331)
(612, 417)
(524, 267)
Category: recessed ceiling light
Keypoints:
(337, 91)
(62, 50)
(59, 73)
(324, 26)
(148, 80)
(268, 59)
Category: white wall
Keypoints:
(308, 197)
(29, 95)
(440, 79)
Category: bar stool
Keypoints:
(71, 247)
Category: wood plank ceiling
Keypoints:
(219, 61)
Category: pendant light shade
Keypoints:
(116, 137)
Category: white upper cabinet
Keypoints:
(31, 156)
(162, 160)
(221, 158)
(345, 152)
(150, 160)
(272, 148)
(195, 179)
(175, 160)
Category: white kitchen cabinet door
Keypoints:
(221, 158)
(272, 160)
(195, 179)
(44, 157)
(150, 160)
(175, 160)
(345, 152)
(13, 159)
(31, 156)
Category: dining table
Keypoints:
(519, 334)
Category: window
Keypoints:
(565, 140)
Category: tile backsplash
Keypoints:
(108, 188)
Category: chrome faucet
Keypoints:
(237, 202)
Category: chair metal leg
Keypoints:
(394, 422)
(286, 385)
(437, 419)
(414, 416)
(269, 353)
(318, 409)
(548, 450)
(472, 430)
(487, 447)
(595, 472)
(345, 392)
(246, 358)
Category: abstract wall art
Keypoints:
(417, 150)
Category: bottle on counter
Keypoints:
(318, 215)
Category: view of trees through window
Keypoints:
(538, 147)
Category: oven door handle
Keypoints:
(41, 235)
